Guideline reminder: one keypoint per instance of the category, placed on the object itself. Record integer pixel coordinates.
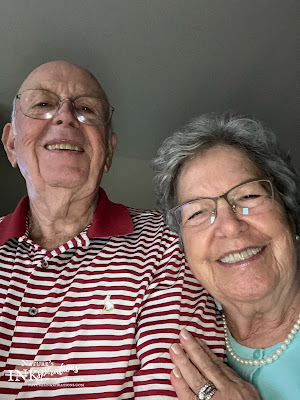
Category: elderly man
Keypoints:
(92, 293)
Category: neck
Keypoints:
(56, 217)
(257, 326)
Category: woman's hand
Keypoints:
(201, 365)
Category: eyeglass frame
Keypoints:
(111, 108)
(224, 196)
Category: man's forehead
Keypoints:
(68, 78)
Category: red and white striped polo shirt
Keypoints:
(94, 318)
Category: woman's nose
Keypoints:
(228, 223)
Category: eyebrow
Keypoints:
(216, 197)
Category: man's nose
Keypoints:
(65, 115)
(228, 223)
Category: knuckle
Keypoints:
(196, 383)
(210, 368)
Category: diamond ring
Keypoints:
(207, 391)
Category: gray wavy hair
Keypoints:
(243, 133)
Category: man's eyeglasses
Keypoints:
(44, 104)
(248, 198)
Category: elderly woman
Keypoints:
(231, 194)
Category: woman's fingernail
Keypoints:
(177, 373)
(176, 348)
(185, 334)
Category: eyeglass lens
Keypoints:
(44, 104)
(246, 199)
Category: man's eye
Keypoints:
(86, 109)
(43, 104)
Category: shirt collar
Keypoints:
(110, 219)
(14, 225)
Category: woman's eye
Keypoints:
(250, 196)
(196, 214)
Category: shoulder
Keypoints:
(148, 218)
(151, 224)
(142, 215)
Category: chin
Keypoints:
(248, 295)
(66, 182)
(64, 175)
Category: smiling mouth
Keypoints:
(242, 256)
(63, 146)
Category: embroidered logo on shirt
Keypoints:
(108, 305)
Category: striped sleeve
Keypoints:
(174, 300)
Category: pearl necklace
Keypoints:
(262, 361)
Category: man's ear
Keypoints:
(8, 140)
(112, 144)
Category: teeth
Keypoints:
(244, 255)
(62, 146)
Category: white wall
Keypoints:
(129, 181)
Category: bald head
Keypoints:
(45, 73)
(66, 79)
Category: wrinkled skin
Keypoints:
(198, 366)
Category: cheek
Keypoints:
(28, 135)
(283, 248)
(277, 227)
(97, 142)
(197, 246)
(199, 262)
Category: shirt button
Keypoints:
(45, 264)
(33, 311)
(256, 354)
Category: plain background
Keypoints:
(161, 62)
